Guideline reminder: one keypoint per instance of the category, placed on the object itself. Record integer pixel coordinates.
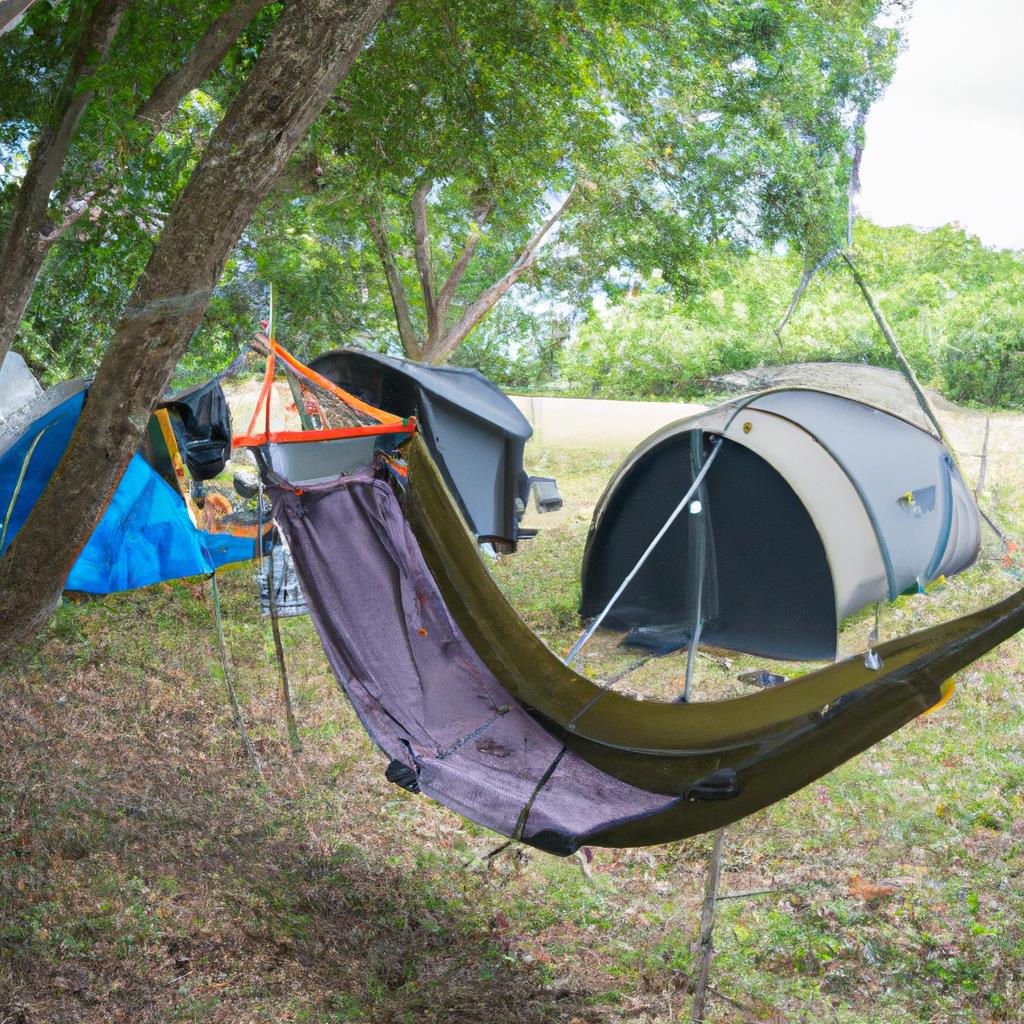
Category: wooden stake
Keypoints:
(706, 942)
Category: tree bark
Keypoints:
(20, 268)
(312, 47)
(21, 255)
(444, 298)
(424, 260)
(11, 12)
(439, 343)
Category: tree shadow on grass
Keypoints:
(148, 877)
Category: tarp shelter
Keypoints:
(815, 507)
(17, 385)
(475, 433)
(148, 532)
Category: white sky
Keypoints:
(946, 142)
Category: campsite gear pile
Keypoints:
(473, 709)
(153, 529)
(475, 434)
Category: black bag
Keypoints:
(202, 426)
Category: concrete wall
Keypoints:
(598, 423)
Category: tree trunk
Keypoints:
(312, 47)
(377, 224)
(448, 341)
(21, 251)
(20, 267)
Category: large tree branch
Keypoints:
(204, 58)
(313, 46)
(424, 261)
(377, 224)
(74, 211)
(455, 275)
(485, 302)
(11, 12)
(20, 258)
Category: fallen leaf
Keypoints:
(861, 888)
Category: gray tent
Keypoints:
(815, 506)
(17, 386)
(475, 433)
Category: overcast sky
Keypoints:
(946, 143)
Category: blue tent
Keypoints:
(146, 534)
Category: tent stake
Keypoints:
(247, 746)
(706, 943)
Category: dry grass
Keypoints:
(147, 875)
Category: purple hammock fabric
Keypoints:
(426, 699)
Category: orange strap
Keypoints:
(327, 385)
(288, 436)
(263, 400)
(388, 423)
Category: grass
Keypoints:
(147, 875)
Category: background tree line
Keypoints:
(956, 306)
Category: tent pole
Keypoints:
(698, 563)
(901, 359)
(592, 628)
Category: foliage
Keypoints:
(118, 173)
(984, 336)
(685, 124)
(957, 309)
(516, 347)
(688, 124)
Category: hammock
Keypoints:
(473, 710)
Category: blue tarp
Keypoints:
(145, 535)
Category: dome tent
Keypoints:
(816, 506)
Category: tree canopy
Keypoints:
(673, 127)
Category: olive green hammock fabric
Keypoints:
(727, 758)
